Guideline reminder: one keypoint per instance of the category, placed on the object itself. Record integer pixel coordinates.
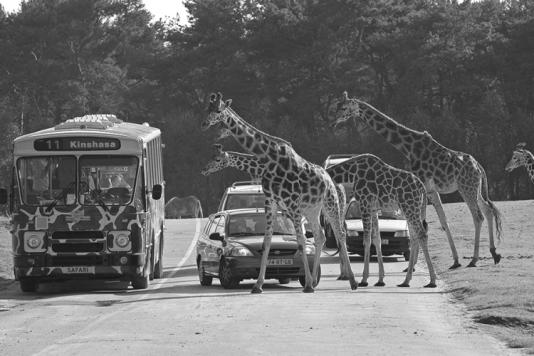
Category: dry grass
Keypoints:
(500, 297)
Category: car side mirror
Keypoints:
(216, 236)
(308, 234)
(157, 190)
(3, 196)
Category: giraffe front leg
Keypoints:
(366, 219)
(436, 202)
(377, 241)
(413, 247)
(301, 239)
(257, 288)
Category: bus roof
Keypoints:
(101, 126)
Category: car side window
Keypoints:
(213, 225)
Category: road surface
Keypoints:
(177, 316)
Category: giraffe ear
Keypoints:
(228, 103)
(521, 145)
(345, 96)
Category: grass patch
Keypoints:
(500, 297)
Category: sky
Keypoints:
(158, 8)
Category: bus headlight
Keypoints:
(310, 249)
(34, 241)
(120, 241)
(352, 233)
(402, 233)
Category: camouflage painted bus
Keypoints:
(86, 202)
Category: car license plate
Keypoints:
(385, 242)
(280, 262)
(78, 270)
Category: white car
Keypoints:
(393, 232)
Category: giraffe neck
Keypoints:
(398, 135)
(255, 141)
(247, 163)
(529, 164)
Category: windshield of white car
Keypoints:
(353, 212)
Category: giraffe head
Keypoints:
(216, 109)
(220, 161)
(346, 109)
(223, 133)
(519, 157)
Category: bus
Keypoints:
(87, 202)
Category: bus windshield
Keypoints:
(47, 180)
(108, 180)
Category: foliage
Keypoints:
(462, 71)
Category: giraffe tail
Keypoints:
(496, 213)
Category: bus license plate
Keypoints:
(280, 262)
(385, 242)
(78, 270)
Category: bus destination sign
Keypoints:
(76, 144)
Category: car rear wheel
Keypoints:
(204, 280)
(302, 279)
(406, 255)
(226, 277)
(284, 280)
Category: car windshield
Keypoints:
(49, 180)
(353, 212)
(245, 201)
(254, 224)
(108, 180)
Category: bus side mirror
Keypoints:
(3, 196)
(157, 189)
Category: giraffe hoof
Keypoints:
(404, 284)
(256, 290)
(497, 258)
(406, 269)
(472, 264)
(380, 284)
(353, 285)
(455, 265)
(363, 284)
(308, 290)
(431, 285)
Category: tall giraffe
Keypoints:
(378, 185)
(441, 169)
(522, 157)
(297, 186)
(251, 164)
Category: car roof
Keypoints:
(337, 158)
(244, 188)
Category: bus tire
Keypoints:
(28, 285)
(141, 282)
(158, 268)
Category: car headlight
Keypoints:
(120, 241)
(240, 251)
(352, 233)
(310, 249)
(402, 233)
(34, 241)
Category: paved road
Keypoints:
(176, 316)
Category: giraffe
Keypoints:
(250, 164)
(297, 186)
(379, 185)
(441, 169)
(522, 157)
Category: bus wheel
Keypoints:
(158, 269)
(141, 282)
(28, 285)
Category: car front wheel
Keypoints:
(302, 279)
(202, 277)
(226, 277)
